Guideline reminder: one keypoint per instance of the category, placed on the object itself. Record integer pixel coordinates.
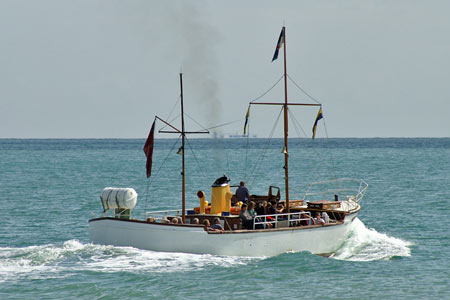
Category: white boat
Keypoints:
(295, 229)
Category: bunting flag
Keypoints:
(319, 116)
(279, 44)
(246, 119)
(148, 149)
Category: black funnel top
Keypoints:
(222, 181)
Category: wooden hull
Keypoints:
(322, 240)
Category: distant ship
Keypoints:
(318, 223)
(241, 136)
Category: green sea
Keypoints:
(398, 248)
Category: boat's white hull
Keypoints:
(190, 239)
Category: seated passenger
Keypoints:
(206, 223)
(251, 209)
(247, 220)
(261, 208)
(216, 226)
(325, 217)
(174, 220)
(318, 219)
(274, 209)
(195, 221)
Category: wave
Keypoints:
(48, 261)
(364, 244)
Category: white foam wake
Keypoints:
(59, 261)
(364, 244)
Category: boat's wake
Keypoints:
(48, 261)
(364, 244)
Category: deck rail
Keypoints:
(160, 214)
(344, 189)
(289, 218)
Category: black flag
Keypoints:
(148, 149)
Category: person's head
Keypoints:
(206, 222)
(251, 205)
(175, 220)
(216, 220)
(244, 207)
(264, 203)
(317, 214)
(273, 203)
(195, 221)
(242, 183)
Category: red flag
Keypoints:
(148, 149)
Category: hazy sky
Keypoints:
(105, 68)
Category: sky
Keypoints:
(105, 68)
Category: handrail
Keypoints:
(291, 218)
(358, 190)
(161, 213)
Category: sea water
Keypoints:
(398, 248)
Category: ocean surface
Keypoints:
(398, 248)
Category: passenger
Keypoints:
(251, 209)
(318, 219)
(165, 220)
(175, 220)
(261, 208)
(150, 220)
(216, 226)
(206, 223)
(325, 217)
(306, 219)
(180, 220)
(242, 193)
(273, 210)
(195, 221)
(247, 220)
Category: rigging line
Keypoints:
(195, 157)
(266, 146)
(203, 128)
(333, 166)
(246, 149)
(265, 93)
(297, 123)
(170, 121)
(316, 152)
(152, 179)
(176, 102)
(225, 124)
(298, 86)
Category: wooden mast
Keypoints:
(285, 108)
(183, 133)
(183, 201)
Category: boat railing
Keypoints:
(160, 214)
(344, 189)
(290, 219)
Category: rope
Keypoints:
(333, 166)
(265, 93)
(195, 121)
(225, 124)
(298, 86)
(255, 169)
(195, 157)
(176, 102)
(296, 123)
(152, 179)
